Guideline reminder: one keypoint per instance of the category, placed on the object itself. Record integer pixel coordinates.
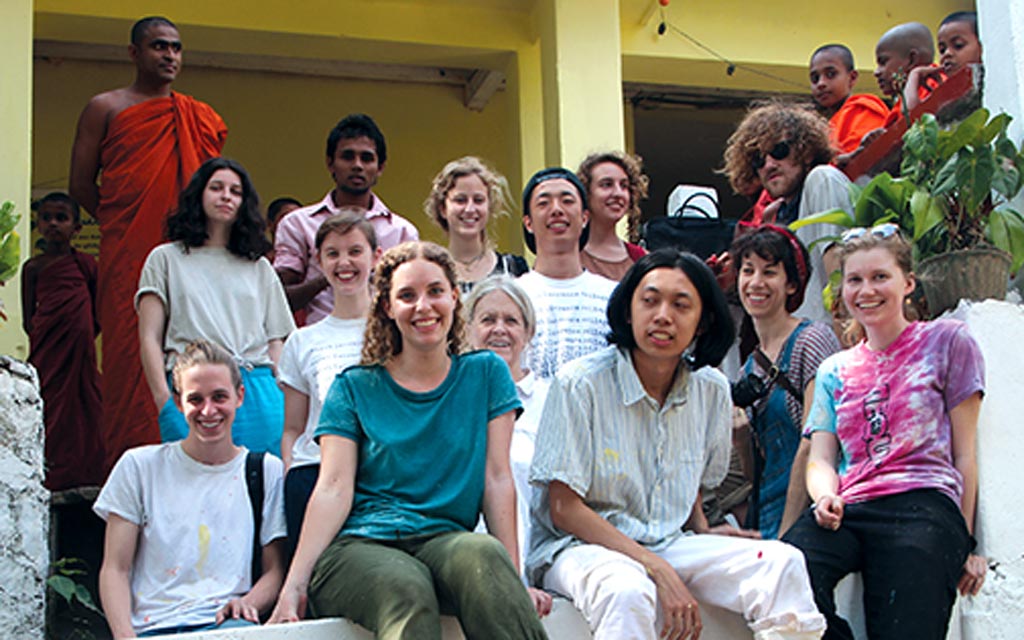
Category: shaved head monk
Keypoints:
(899, 51)
(143, 142)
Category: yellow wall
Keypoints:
(16, 125)
(279, 125)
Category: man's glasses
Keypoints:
(885, 230)
(779, 152)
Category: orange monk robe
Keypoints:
(859, 114)
(148, 155)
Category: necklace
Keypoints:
(472, 261)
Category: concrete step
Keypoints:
(564, 623)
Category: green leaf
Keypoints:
(927, 213)
(10, 250)
(836, 217)
(995, 127)
(945, 181)
(8, 219)
(64, 586)
(1007, 180)
(85, 598)
(974, 171)
(1006, 231)
(970, 130)
(831, 290)
(879, 199)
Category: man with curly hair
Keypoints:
(785, 150)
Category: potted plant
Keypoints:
(10, 250)
(952, 202)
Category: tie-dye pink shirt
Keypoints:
(890, 410)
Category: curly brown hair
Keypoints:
(498, 198)
(382, 340)
(633, 165)
(767, 124)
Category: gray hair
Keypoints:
(508, 286)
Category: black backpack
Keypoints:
(254, 485)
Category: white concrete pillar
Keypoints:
(997, 613)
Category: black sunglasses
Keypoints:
(779, 152)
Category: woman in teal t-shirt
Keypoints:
(414, 444)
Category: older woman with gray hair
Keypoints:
(499, 317)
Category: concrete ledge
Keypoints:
(564, 623)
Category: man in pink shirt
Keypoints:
(356, 154)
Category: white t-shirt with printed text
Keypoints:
(312, 357)
(571, 319)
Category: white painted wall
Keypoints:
(997, 613)
(24, 553)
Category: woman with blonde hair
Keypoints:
(466, 195)
(892, 470)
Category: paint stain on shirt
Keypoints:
(204, 548)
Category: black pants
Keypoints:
(298, 486)
(910, 549)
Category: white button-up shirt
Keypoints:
(636, 463)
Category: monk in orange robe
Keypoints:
(850, 116)
(148, 141)
(899, 51)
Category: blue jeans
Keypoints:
(230, 623)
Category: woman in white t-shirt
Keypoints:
(346, 251)
(211, 281)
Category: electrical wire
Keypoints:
(732, 66)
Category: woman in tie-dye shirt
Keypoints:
(892, 468)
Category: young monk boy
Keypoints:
(851, 116)
(58, 314)
(958, 47)
(900, 50)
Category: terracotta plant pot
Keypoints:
(971, 274)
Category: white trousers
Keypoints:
(764, 580)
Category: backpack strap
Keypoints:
(254, 485)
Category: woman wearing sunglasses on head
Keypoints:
(892, 468)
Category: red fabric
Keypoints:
(635, 251)
(150, 152)
(63, 351)
(923, 91)
(860, 114)
(755, 215)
